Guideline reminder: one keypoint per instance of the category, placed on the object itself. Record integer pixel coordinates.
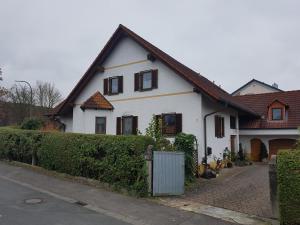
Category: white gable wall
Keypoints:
(173, 94)
(255, 88)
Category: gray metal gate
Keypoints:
(168, 173)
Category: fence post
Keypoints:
(149, 161)
(273, 186)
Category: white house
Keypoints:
(131, 80)
(256, 87)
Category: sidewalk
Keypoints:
(128, 209)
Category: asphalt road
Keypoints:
(51, 211)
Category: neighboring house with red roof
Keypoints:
(278, 124)
(131, 80)
(256, 87)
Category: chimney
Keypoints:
(275, 85)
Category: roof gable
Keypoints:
(200, 83)
(258, 82)
(97, 101)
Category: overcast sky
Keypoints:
(229, 42)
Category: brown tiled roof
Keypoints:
(97, 101)
(200, 83)
(260, 102)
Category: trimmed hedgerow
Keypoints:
(19, 145)
(117, 160)
(288, 174)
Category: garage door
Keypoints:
(276, 144)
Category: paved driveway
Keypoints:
(242, 189)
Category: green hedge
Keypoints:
(18, 145)
(117, 160)
(288, 174)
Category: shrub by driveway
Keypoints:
(288, 173)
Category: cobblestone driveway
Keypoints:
(242, 189)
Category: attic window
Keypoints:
(113, 85)
(277, 114)
(145, 80)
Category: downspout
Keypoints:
(205, 135)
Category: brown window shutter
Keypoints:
(222, 130)
(105, 86)
(136, 81)
(217, 126)
(120, 84)
(119, 129)
(154, 78)
(134, 125)
(178, 123)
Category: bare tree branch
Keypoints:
(46, 95)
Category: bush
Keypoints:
(288, 175)
(186, 143)
(19, 145)
(117, 160)
(32, 124)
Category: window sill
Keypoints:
(148, 89)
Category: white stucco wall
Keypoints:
(255, 88)
(172, 95)
(218, 144)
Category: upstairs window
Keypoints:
(145, 80)
(113, 85)
(171, 123)
(277, 114)
(232, 122)
(219, 127)
(100, 125)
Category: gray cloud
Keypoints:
(229, 41)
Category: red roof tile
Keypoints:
(260, 102)
(200, 83)
(97, 101)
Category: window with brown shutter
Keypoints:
(127, 125)
(171, 123)
(113, 85)
(219, 127)
(146, 80)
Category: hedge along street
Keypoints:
(288, 174)
(117, 160)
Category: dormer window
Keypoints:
(277, 111)
(277, 114)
